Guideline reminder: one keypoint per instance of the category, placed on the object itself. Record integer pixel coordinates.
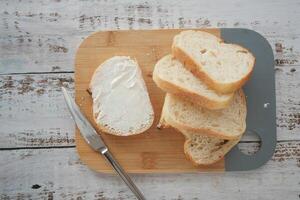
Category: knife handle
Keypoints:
(117, 167)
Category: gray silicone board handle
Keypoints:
(261, 100)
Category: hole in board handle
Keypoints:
(250, 148)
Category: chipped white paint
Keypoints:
(33, 114)
(33, 111)
(69, 178)
(45, 38)
(266, 105)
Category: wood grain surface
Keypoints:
(38, 41)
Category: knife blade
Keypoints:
(94, 139)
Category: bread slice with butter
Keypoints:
(223, 67)
(171, 76)
(228, 123)
(121, 103)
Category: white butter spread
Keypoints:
(121, 103)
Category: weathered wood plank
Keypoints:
(58, 173)
(287, 100)
(33, 111)
(45, 39)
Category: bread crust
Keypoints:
(195, 163)
(166, 122)
(185, 150)
(202, 131)
(190, 64)
(111, 132)
(189, 95)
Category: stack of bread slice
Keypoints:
(204, 101)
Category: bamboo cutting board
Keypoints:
(155, 150)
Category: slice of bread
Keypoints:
(171, 76)
(206, 150)
(228, 123)
(200, 149)
(223, 67)
(121, 104)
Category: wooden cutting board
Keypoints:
(162, 150)
(155, 150)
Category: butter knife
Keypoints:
(91, 136)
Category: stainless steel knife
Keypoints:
(95, 141)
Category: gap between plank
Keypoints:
(73, 146)
(50, 147)
(29, 73)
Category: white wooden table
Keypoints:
(38, 40)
